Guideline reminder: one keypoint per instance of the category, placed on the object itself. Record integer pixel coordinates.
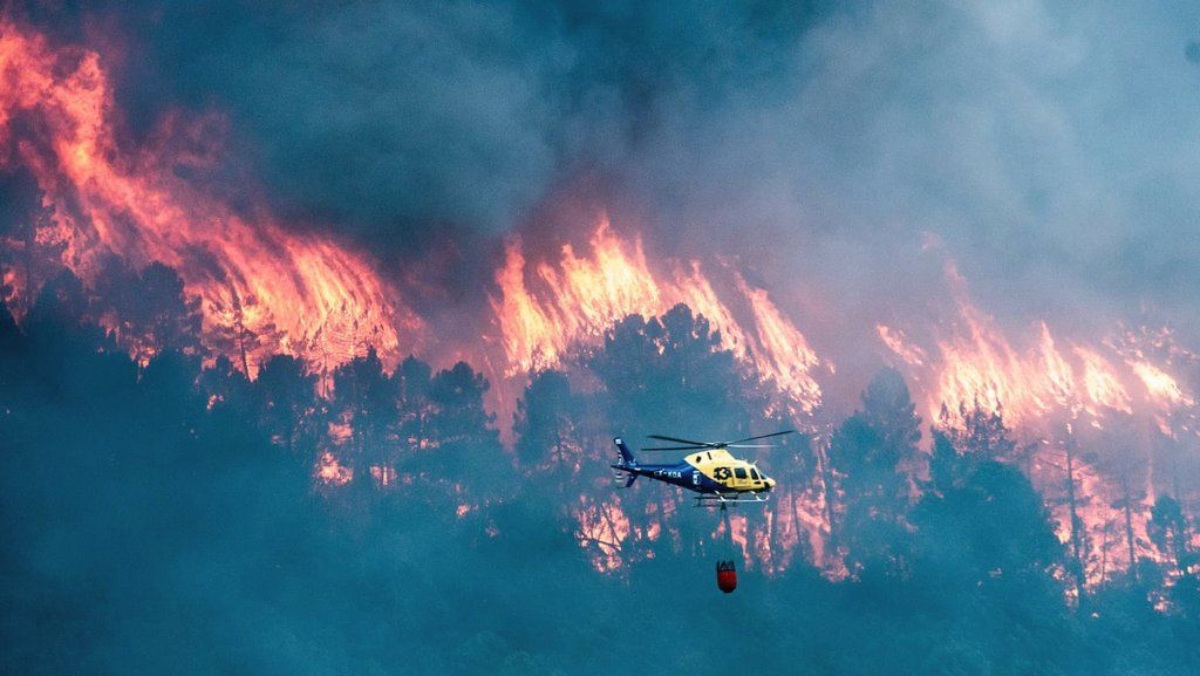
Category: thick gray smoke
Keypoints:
(1051, 149)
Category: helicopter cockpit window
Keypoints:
(739, 472)
(754, 474)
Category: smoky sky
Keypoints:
(391, 119)
(1050, 150)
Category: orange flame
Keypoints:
(782, 354)
(602, 529)
(1102, 519)
(576, 300)
(298, 294)
(897, 342)
(1039, 388)
(976, 363)
(1101, 383)
(1160, 385)
(331, 472)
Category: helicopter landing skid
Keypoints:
(720, 500)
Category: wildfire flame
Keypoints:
(975, 363)
(1159, 385)
(1038, 389)
(330, 472)
(602, 529)
(574, 301)
(299, 294)
(1101, 384)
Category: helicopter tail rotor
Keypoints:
(627, 465)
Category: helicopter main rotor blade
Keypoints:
(763, 436)
(676, 448)
(751, 446)
(703, 444)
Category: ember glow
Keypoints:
(331, 472)
(298, 294)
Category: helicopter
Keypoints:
(708, 468)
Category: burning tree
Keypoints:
(364, 403)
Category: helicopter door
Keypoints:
(740, 478)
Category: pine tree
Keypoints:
(870, 453)
(545, 420)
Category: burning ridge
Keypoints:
(546, 309)
(273, 290)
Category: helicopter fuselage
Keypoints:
(709, 471)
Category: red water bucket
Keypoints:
(726, 576)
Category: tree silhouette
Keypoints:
(228, 387)
(364, 400)
(61, 305)
(466, 444)
(888, 408)
(546, 419)
(151, 310)
(989, 531)
(234, 336)
(288, 404)
(13, 356)
(412, 381)
(947, 468)
(978, 431)
(458, 395)
(1170, 531)
(1120, 457)
(1081, 553)
(869, 452)
(68, 352)
(672, 371)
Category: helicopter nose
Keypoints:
(770, 483)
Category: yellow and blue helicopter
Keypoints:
(708, 468)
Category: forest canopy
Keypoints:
(165, 513)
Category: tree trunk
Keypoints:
(1078, 556)
(830, 494)
(1104, 555)
(1128, 499)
